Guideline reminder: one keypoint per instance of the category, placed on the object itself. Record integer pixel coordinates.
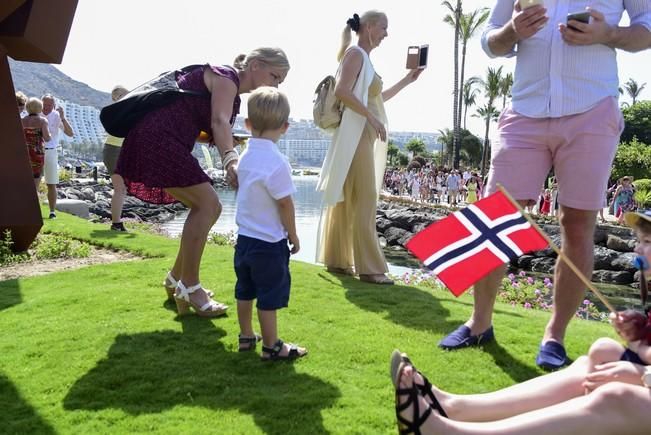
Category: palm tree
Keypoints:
(469, 96)
(455, 20)
(505, 88)
(492, 88)
(446, 139)
(468, 26)
(633, 90)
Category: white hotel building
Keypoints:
(85, 123)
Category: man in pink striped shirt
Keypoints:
(564, 115)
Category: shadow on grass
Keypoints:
(515, 369)
(17, 415)
(403, 305)
(110, 235)
(9, 294)
(156, 371)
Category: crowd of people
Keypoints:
(573, 128)
(434, 185)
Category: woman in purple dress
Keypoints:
(157, 165)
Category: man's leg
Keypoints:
(577, 230)
(52, 196)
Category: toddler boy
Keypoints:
(266, 224)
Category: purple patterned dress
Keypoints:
(156, 154)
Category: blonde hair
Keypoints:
(34, 106)
(118, 92)
(368, 17)
(268, 109)
(21, 98)
(274, 57)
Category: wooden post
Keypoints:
(35, 31)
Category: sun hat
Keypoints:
(632, 218)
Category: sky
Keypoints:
(130, 41)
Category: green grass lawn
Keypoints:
(98, 350)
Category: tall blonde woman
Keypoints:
(354, 166)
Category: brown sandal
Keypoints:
(340, 270)
(377, 279)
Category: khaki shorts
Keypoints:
(110, 156)
(51, 166)
(580, 148)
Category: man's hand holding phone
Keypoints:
(586, 28)
(530, 17)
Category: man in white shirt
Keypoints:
(56, 120)
(564, 114)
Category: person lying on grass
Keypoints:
(605, 393)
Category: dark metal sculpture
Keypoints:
(34, 31)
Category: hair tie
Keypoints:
(354, 23)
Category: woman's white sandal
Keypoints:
(170, 287)
(183, 302)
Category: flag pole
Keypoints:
(556, 249)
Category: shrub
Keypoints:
(632, 158)
(51, 246)
(517, 289)
(222, 239)
(7, 255)
(643, 184)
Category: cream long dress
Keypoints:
(347, 229)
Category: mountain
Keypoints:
(37, 79)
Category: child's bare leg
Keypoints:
(269, 328)
(245, 317)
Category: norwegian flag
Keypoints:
(468, 244)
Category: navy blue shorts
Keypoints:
(262, 271)
(631, 356)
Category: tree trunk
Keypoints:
(456, 133)
(485, 152)
(461, 80)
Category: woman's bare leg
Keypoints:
(536, 393)
(205, 209)
(117, 201)
(615, 408)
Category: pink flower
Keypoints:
(527, 306)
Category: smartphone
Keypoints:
(525, 4)
(417, 56)
(583, 17)
(422, 56)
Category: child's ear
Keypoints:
(247, 124)
(285, 127)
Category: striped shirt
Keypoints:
(554, 79)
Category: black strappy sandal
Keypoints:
(274, 352)
(247, 344)
(397, 359)
(405, 426)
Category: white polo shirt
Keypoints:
(264, 176)
(54, 124)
